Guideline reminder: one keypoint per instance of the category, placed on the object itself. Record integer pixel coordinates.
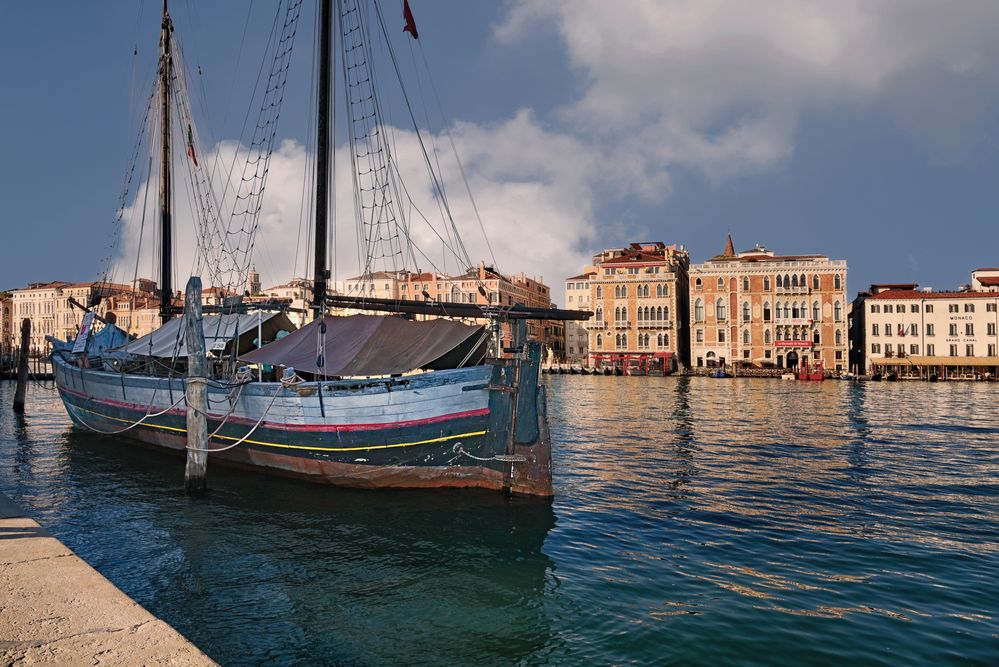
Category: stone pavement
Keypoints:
(54, 608)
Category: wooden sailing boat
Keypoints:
(385, 401)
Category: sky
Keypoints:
(865, 130)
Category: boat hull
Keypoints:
(456, 428)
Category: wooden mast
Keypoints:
(166, 169)
(322, 156)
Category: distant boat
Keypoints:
(719, 374)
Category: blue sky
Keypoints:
(863, 130)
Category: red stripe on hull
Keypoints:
(299, 428)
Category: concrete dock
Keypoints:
(54, 608)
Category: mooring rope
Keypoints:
(130, 426)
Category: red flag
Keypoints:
(190, 145)
(407, 14)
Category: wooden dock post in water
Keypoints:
(195, 474)
(22, 366)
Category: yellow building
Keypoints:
(639, 299)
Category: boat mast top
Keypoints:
(322, 156)
(166, 169)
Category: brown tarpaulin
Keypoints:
(361, 345)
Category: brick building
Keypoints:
(761, 309)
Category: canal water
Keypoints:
(697, 521)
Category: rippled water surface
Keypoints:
(696, 521)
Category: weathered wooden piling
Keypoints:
(195, 474)
(22, 366)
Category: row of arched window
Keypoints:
(644, 341)
(641, 291)
(653, 313)
(787, 281)
(786, 310)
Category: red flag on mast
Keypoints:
(407, 14)
(190, 145)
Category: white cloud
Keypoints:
(531, 187)
(724, 83)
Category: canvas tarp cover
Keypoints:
(106, 339)
(365, 345)
(169, 340)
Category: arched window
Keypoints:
(721, 283)
(600, 315)
(780, 281)
(617, 341)
(745, 311)
(659, 340)
(617, 314)
(766, 337)
(794, 281)
(837, 312)
(794, 334)
(600, 292)
(780, 310)
(795, 312)
(787, 309)
(600, 340)
(815, 281)
(787, 282)
(720, 309)
(665, 290)
(624, 313)
(697, 284)
(641, 314)
(815, 311)
(803, 282)
(837, 282)
(665, 340)
(698, 311)
(624, 341)
(663, 313)
(766, 283)
(780, 334)
(815, 337)
(647, 293)
(766, 311)
(745, 283)
(745, 336)
(839, 337)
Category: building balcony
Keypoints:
(794, 290)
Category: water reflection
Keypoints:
(696, 521)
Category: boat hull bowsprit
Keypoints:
(448, 428)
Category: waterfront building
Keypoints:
(297, 293)
(39, 302)
(578, 297)
(639, 299)
(7, 328)
(756, 308)
(921, 333)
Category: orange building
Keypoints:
(639, 299)
(761, 309)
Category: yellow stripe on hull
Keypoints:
(284, 446)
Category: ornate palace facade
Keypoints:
(761, 309)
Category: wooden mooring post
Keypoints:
(22, 366)
(195, 474)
